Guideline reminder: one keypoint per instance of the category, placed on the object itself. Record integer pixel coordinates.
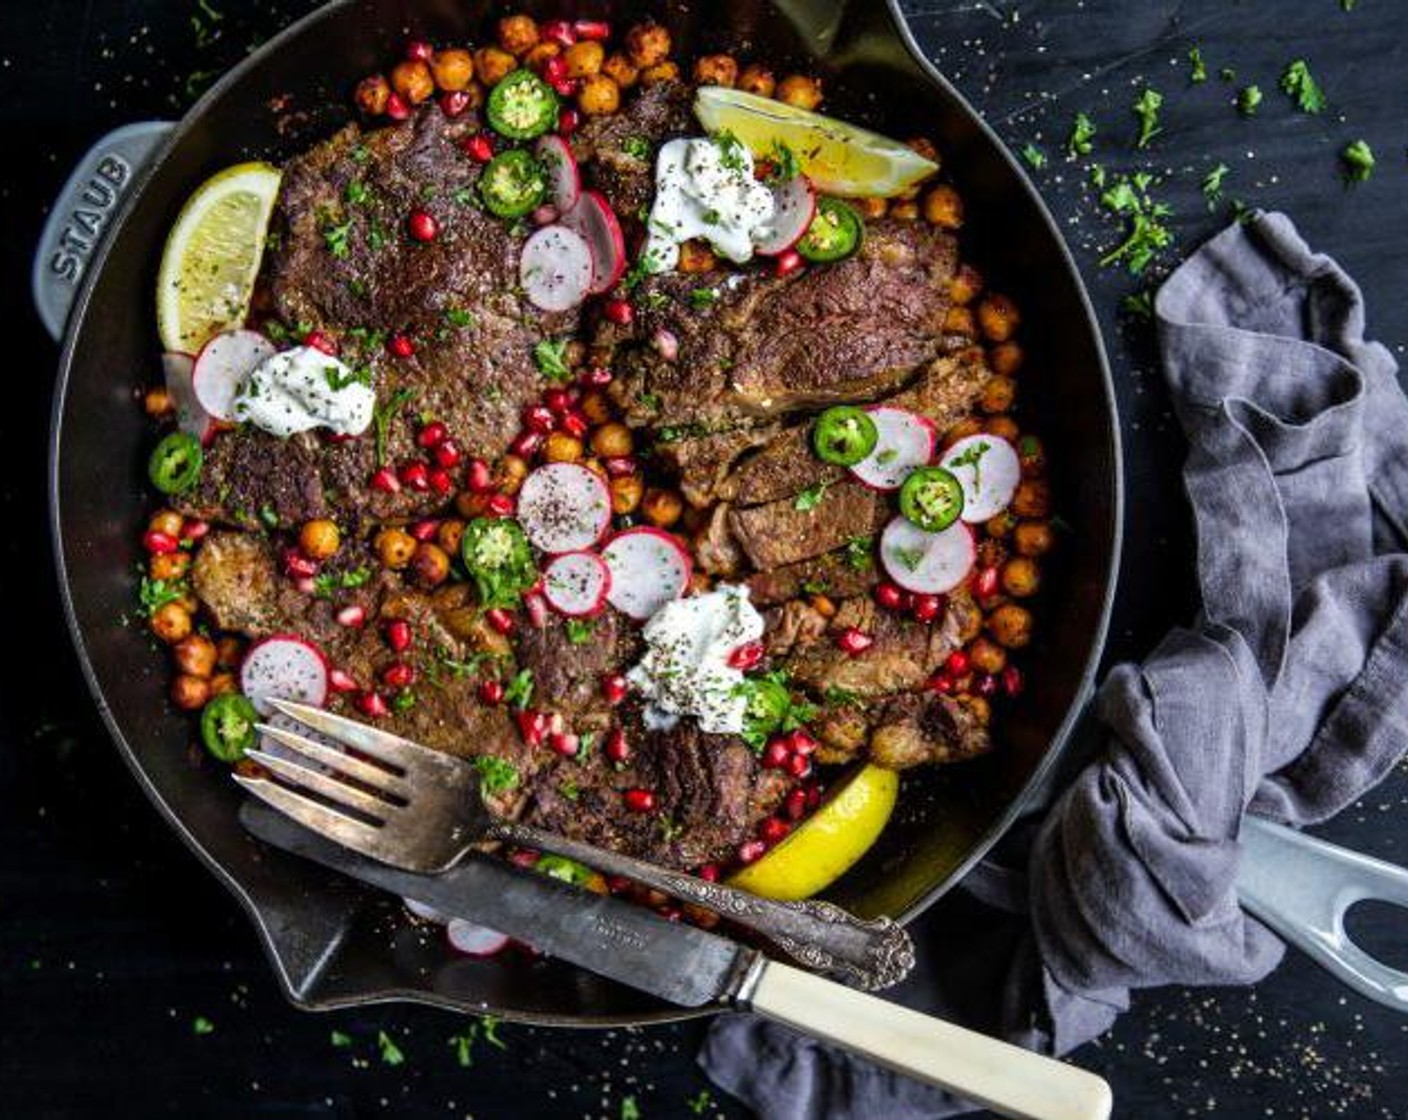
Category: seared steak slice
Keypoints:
(779, 533)
(836, 574)
(715, 550)
(792, 624)
(566, 674)
(620, 149)
(904, 654)
(920, 727)
(703, 460)
(235, 576)
(782, 469)
(947, 390)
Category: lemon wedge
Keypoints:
(829, 842)
(839, 158)
(212, 256)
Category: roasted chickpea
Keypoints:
(470, 505)
(1033, 538)
(696, 256)
(222, 683)
(166, 521)
(662, 508)
(925, 147)
(430, 566)
(800, 91)
(412, 80)
(626, 493)
(998, 394)
(824, 606)
(660, 72)
(1031, 452)
(158, 403)
(584, 59)
(1002, 526)
(169, 565)
(1020, 577)
(1006, 358)
(493, 65)
(716, 70)
(538, 57)
(960, 321)
(196, 656)
(905, 211)
(966, 427)
(943, 206)
(189, 693)
(171, 623)
(621, 70)
(987, 656)
(1004, 427)
(448, 534)
(518, 34)
(999, 317)
(562, 448)
(1011, 625)
(319, 539)
(394, 548)
(513, 469)
(594, 406)
(871, 209)
(1033, 499)
(967, 282)
(981, 709)
(758, 80)
(599, 96)
(452, 70)
(613, 440)
(229, 651)
(372, 95)
(648, 44)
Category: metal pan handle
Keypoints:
(82, 214)
(1301, 887)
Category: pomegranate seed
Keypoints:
(298, 565)
(398, 635)
(709, 872)
(568, 121)
(813, 797)
(159, 543)
(353, 616)
(854, 641)
(386, 481)
(746, 656)
(787, 263)
(796, 803)
(480, 478)
(1012, 682)
(415, 475)
(941, 683)
(371, 704)
(565, 87)
(620, 312)
(926, 608)
(596, 377)
(418, 50)
(399, 675)
(776, 753)
(575, 424)
(491, 691)
(985, 685)
(800, 742)
(558, 31)
(536, 607)
(555, 70)
(502, 505)
(422, 226)
(322, 342)
(432, 435)
(525, 858)
(985, 583)
(340, 680)
(618, 884)
(448, 454)
(799, 766)
(622, 466)
(401, 346)
(890, 597)
(557, 401)
(639, 800)
(195, 530)
(618, 749)
(751, 851)
(533, 726)
(539, 418)
(774, 829)
(597, 30)
(441, 482)
(425, 530)
(614, 687)
(305, 585)
(565, 743)
(957, 663)
(479, 148)
(500, 620)
(397, 107)
(454, 103)
(527, 444)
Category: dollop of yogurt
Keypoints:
(301, 389)
(685, 670)
(705, 188)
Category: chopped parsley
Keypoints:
(673, 433)
(458, 318)
(814, 586)
(699, 1102)
(837, 697)
(1249, 100)
(1035, 157)
(771, 708)
(629, 1109)
(1358, 160)
(390, 1052)
(519, 692)
(1081, 141)
(361, 153)
(569, 789)
(326, 584)
(637, 147)
(859, 553)
(403, 701)
(464, 1043)
(1140, 304)
(973, 457)
(784, 166)
(335, 237)
(701, 298)
(201, 1025)
(911, 558)
(1198, 71)
(337, 380)
(579, 630)
(357, 193)
(154, 594)
(1146, 108)
(496, 775)
(810, 498)
(1147, 234)
(376, 236)
(730, 151)
(464, 196)
(1212, 184)
(381, 419)
(550, 355)
(1300, 85)
(650, 401)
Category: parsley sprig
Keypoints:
(1146, 108)
(1300, 85)
(1146, 233)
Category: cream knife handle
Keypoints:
(1005, 1078)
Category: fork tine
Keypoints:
(338, 827)
(382, 745)
(345, 764)
(323, 784)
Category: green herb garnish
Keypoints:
(201, 1025)
(381, 419)
(1035, 157)
(701, 298)
(637, 147)
(390, 1052)
(859, 553)
(1146, 108)
(973, 457)
(550, 355)
(154, 594)
(1212, 184)
(810, 498)
(1358, 160)
(1248, 100)
(579, 630)
(519, 692)
(1300, 85)
(357, 193)
(335, 237)
(496, 775)
(1199, 70)
(1147, 234)
(1081, 141)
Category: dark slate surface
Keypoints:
(113, 941)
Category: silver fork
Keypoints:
(421, 810)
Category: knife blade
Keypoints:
(619, 940)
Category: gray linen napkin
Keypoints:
(1286, 697)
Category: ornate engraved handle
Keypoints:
(869, 955)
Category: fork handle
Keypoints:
(867, 954)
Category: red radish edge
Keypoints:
(795, 202)
(191, 417)
(937, 573)
(624, 590)
(316, 698)
(564, 177)
(556, 268)
(222, 365)
(473, 940)
(869, 481)
(594, 220)
(572, 601)
(591, 500)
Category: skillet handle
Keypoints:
(82, 213)
(1301, 887)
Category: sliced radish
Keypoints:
(906, 441)
(794, 205)
(191, 417)
(472, 940)
(593, 218)
(284, 667)
(564, 178)
(426, 913)
(556, 268)
(989, 470)
(649, 568)
(577, 584)
(563, 507)
(221, 368)
(923, 562)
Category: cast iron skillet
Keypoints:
(332, 943)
